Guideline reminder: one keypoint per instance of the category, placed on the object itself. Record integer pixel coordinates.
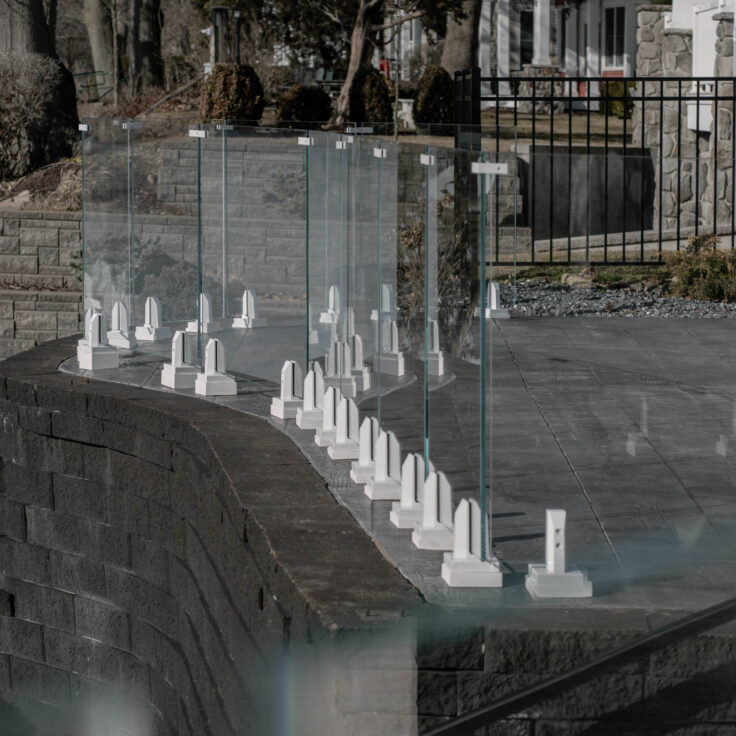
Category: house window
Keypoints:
(615, 20)
(526, 51)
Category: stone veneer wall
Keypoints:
(663, 53)
(40, 296)
(720, 181)
(161, 556)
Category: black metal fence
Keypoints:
(607, 169)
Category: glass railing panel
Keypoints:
(164, 214)
(267, 237)
(106, 199)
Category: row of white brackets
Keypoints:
(207, 324)
(181, 373)
(423, 505)
(152, 330)
(97, 349)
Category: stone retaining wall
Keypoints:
(36, 253)
(688, 157)
(179, 568)
(181, 563)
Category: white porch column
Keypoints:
(484, 40)
(542, 20)
(503, 39)
(592, 51)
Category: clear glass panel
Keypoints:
(326, 272)
(164, 215)
(266, 245)
(388, 335)
(363, 202)
(455, 392)
(106, 200)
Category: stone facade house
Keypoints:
(690, 136)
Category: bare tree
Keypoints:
(145, 66)
(373, 18)
(461, 42)
(98, 21)
(27, 29)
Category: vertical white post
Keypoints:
(214, 382)
(555, 541)
(503, 39)
(177, 349)
(542, 20)
(364, 467)
(435, 529)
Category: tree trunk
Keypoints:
(461, 42)
(144, 45)
(360, 54)
(25, 28)
(98, 22)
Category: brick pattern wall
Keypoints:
(686, 688)
(44, 300)
(36, 249)
(28, 318)
(165, 553)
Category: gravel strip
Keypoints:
(540, 299)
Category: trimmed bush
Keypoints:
(434, 100)
(620, 108)
(232, 92)
(702, 271)
(38, 113)
(370, 97)
(303, 104)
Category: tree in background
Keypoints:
(461, 41)
(339, 30)
(125, 39)
(38, 105)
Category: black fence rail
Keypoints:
(608, 170)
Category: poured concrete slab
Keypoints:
(649, 492)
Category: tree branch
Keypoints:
(398, 21)
(331, 14)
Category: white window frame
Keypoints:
(618, 32)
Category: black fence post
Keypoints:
(459, 105)
(467, 109)
(475, 108)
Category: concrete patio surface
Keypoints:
(628, 424)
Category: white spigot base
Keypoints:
(249, 323)
(344, 451)
(346, 385)
(330, 317)
(361, 474)
(439, 537)
(392, 364)
(437, 364)
(362, 378)
(178, 376)
(120, 339)
(405, 518)
(494, 313)
(308, 418)
(540, 583)
(471, 573)
(205, 328)
(383, 490)
(146, 333)
(324, 437)
(285, 408)
(97, 358)
(217, 385)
